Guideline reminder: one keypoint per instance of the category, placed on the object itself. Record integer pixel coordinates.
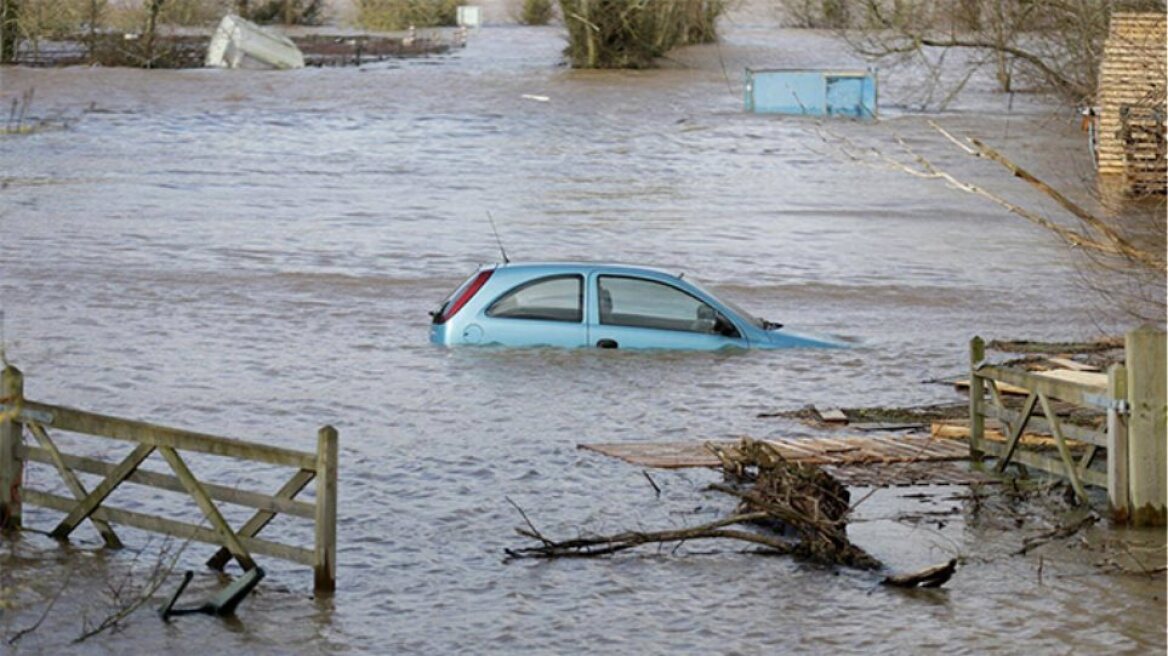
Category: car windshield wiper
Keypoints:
(770, 325)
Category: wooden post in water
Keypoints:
(1147, 427)
(11, 436)
(976, 399)
(1117, 456)
(325, 559)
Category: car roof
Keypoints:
(603, 267)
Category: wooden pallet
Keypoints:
(880, 461)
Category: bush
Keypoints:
(632, 33)
(392, 15)
(289, 12)
(536, 12)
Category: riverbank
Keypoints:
(187, 48)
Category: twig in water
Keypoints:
(651, 482)
(534, 533)
(157, 578)
(45, 613)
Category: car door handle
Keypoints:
(607, 343)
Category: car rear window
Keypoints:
(556, 298)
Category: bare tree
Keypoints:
(1051, 45)
(1129, 248)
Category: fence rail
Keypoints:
(1133, 398)
(19, 415)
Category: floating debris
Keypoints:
(240, 43)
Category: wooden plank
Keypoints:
(86, 506)
(1048, 465)
(1090, 379)
(1016, 430)
(210, 511)
(1067, 363)
(1071, 392)
(903, 449)
(675, 455)
(170, 527)
(1003, 388)
(73, 483)
(258, 521)
(1071, 471)
(907, 474)
(1039, 425)
(834, 416)
(89, 423)
(793, 449)
(946, 431)
(225, 493)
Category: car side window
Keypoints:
(641, 303)
(558, 298)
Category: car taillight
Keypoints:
(462, 295)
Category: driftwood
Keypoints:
(931, 577)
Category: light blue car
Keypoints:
(575, 305)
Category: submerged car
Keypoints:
(599, 305)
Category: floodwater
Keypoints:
(254, 254)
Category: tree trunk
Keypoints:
(9, 30)
(151, 26)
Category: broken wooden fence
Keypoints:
(1133, 396)
(18, 414)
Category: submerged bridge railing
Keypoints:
(20, 416)
(1131, 395)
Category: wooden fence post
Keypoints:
(976, 399)
(11, 436)
(1147, 428)
(1117, 456)
(325, 560)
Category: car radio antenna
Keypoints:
(497, 239)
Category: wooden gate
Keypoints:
(1133, 398)
(18, 415)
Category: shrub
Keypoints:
(391, 15)
(536, 12)
(632, 33)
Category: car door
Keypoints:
(546, 311)
(640, 312)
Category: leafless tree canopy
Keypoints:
(1030, 44)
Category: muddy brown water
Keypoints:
(253, 254)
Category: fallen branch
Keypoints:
(603, 545)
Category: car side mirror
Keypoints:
(724, 327)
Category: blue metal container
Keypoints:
(805, 92)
